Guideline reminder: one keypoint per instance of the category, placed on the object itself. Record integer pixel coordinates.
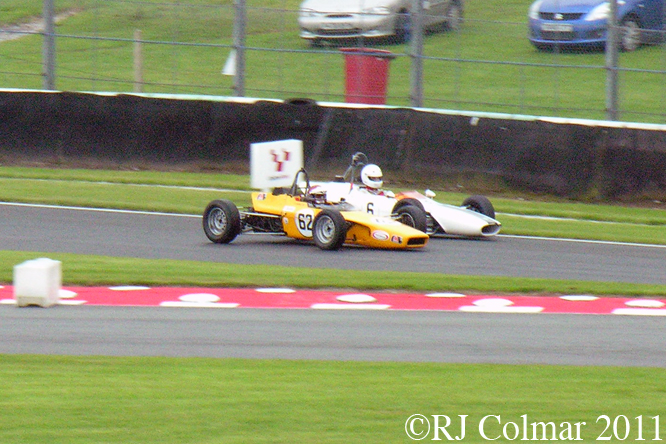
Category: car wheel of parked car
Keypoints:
(480, 204)
(413, 216)
(453, 17)
(329, 230)
(630, 34)
(221, 221)
(403, 27)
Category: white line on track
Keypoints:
(146, 185)
(100, 210)
(584, 241)
(571, 219)
(154, 213)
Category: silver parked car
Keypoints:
(345, 19)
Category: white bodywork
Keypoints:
(442, 218)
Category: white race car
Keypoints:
(361, 187)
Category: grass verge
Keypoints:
(102, 270)
(157, 400)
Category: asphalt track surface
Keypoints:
(414, 336)
(310, 334)
(158, 236)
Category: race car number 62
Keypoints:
(304, 221)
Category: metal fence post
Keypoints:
(239, 47)
(138, 62)
(48, 47)
(612, 48)
(416, 54)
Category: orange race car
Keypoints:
(301, 214)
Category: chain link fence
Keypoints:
(476, 58)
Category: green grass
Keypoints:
(488, 66)
(158, 400)
(133, 197)
(174, 178)
(101, 270)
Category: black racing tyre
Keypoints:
(413, 216)
(407, 201)
(329, 230)
(221, 221)
(480, 204)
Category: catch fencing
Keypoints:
(252, 48)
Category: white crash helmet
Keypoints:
(371, 176)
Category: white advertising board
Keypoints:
(274, 164)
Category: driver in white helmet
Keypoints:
(372, 179)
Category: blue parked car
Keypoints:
(572, 24)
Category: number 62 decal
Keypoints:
(304, 220)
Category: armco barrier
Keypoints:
(554, 156)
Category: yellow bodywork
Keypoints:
(297, 217)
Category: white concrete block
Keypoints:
(37, 282)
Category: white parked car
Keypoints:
(344, 19)
(361, 187)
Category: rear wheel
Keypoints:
(630, 34)
(403, 27)
(329, 230)
(480, 204)
(221, 221)
(413, 216)
(408, 201)
(453, 17)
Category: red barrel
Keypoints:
(366, 75)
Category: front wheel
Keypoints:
(221, 221)
(329, 230)
(413, 216)
(480, 204)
